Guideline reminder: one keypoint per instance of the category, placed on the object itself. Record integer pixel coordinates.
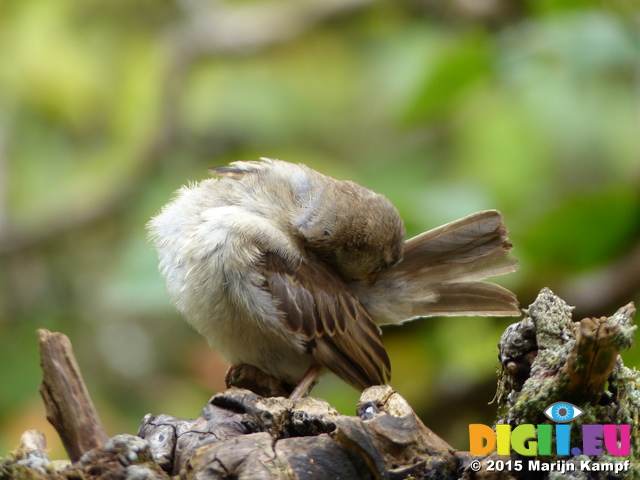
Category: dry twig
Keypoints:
(67, 401)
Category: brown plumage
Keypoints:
(289, 270)
(339, 332)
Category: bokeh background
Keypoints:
(445, 106)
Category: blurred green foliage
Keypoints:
(445, 107)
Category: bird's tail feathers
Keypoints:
(442, 270)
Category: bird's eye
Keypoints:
(562, 412)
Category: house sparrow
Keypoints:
(291, 271)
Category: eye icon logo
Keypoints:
(562, 412)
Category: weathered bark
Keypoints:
(67, 401)
(548, 358)
(242, 435)
(595, 353)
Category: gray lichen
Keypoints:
(553, 364)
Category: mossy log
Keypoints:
(548, 358)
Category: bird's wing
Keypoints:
(318, 305)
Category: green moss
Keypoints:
(547, 384)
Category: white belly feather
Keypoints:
(218, 289)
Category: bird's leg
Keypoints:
(227, 376)
(252, 378)
(306, 381)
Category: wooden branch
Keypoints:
(546, 357)
(242, 435)
(67, 401)
(592, 359)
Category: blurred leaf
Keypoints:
(459, 67)
(45, 67)
(555, 7)
(585, 230)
